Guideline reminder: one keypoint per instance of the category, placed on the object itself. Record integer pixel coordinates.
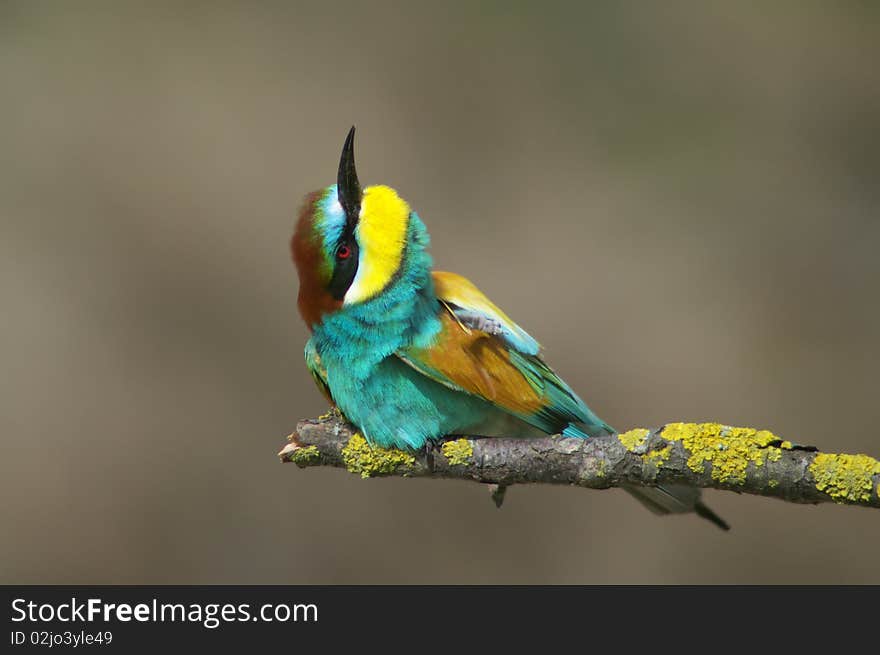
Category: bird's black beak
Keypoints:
(348, 189)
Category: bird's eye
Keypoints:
(343, 252)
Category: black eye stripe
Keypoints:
(344, 268)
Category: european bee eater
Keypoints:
(408, 354)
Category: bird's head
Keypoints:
(349, 243)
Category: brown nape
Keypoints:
(305, 247)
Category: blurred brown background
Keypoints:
(679, 200)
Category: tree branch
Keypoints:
(707, 455)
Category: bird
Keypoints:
(408, 354)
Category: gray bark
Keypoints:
(732, 459)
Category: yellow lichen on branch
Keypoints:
(727, 449)
(362, 458)
(636, 441)
(458, 452)
(845, 477)
(304, 456)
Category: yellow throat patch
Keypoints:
(381, 235)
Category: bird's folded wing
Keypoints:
(479, 350)
(474, 310)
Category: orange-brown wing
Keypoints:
(472, 308)
(477, 362)
(479, 350)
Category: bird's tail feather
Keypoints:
(675, 499)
